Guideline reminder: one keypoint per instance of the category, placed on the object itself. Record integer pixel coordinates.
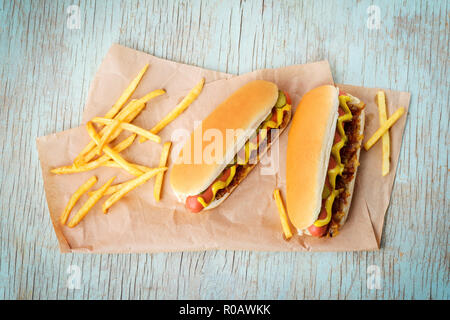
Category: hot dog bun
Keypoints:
(249, 168)
(309, 148)
(243, 111)
(310, 141)
(336, 225)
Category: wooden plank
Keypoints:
(45, 72)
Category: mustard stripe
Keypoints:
(335, 153)
(217, 186)
(328, 208)
(248, 147)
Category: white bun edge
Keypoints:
(327, 144)
(228, 156)
(182, 198)
(351, 185)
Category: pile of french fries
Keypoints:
(99, 153)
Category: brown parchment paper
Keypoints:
(248, 219)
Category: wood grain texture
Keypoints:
(45, 72)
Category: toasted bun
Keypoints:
(309, 148)
(243, 112)
(215, 203)
(351, 185)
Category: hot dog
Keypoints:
(325, 138)
(260, 109)
(193, 203)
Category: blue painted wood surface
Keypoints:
(45, 70)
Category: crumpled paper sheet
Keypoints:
(248, 219)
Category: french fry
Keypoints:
(129, 127)
(384, 128)
(116, 187)
(112, 189)
(283, 216)
(137, 106)
(186, 102)
(75, 197)
(160, 176)
(385, 138)
(113, 164)
(111, 153)
(89, 151)
(105, 138)
(125, 143)
(127, 114)
(96, 163)
(126, 94)
(93, 199)
(130, 185)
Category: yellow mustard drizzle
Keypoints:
(335, 152)
(332, 174)
(247, 151)
(345, 117)
(219, 185)
(272, 124)
(328, 207)
(250, 146)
